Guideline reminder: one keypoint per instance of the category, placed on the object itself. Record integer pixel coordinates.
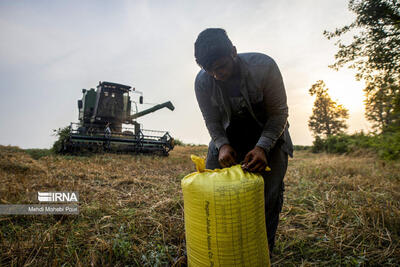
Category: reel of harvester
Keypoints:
(102, 114)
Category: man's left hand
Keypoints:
(255, 160)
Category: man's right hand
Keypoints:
(226, 156)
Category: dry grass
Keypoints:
(339, 210)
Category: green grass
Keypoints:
(37, 153)
(386, 145)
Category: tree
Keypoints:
(374, 53)
(382, 103)
(328, 118)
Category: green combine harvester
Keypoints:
(102, 114)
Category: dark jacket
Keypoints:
(264, 92)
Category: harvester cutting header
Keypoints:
(102, 114)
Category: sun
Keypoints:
(345, 89)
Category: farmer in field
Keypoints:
(107, 136)
(243, 102)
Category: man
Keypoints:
(243, 102)
(107, 136)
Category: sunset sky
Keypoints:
(50, 50)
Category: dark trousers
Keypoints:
(273, 184)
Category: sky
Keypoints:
(50, 50)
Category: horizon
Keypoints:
(51, 50)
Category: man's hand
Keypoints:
(226, 156)
(255, 160)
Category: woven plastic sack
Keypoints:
(224, 217)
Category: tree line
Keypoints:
(374, 53)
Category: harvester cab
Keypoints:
(109, 108)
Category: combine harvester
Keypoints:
(110, 107)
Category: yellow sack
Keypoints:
(224, 217)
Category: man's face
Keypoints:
(222, 69)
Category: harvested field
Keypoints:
(338, 210)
